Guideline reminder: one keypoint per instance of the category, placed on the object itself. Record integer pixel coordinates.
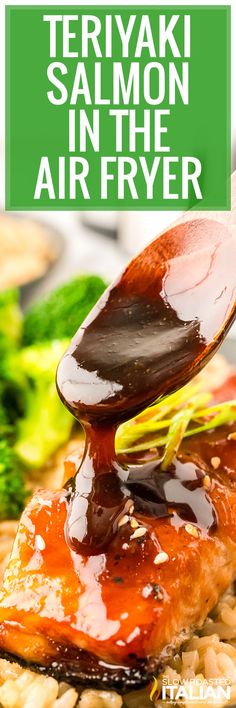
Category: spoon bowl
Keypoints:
(156, 326)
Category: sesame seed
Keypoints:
(161, 557)
(231, 436)
(191, 530)
(215, 462)
(134, 523)
(147, 591)
(39, 542)
(125, 546)
(138, 533)
(206, 481)
(131, 509)
(124, 520)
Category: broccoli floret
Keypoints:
(46, 423)
(28, 392)
(10, 320)
(5, 427)
(61, 313)
(12, 490)
(12, 387)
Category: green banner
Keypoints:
(117, 107)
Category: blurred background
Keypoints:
(40, 250)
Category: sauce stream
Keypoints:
(149, 334)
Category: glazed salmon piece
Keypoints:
(115, 616)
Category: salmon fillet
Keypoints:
(113, 618)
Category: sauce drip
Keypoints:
(149, 334)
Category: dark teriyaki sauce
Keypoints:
(178, 493)
(148, 335)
